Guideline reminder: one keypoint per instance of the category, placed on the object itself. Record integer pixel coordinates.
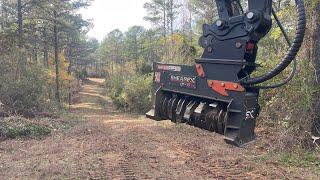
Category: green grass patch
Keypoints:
(300, 160)
(293, 159)
(13, 131)
(19, 127)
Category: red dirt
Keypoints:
(114, 145)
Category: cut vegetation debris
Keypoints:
(19, 127)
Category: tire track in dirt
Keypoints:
(127, 170)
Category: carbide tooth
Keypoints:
(199, 109)
(197, 114)
(220, 122)
(174, 108)
(161, 106)
(179, 109)
(209, 120)
(182, 111)
(213, 105)
(190, 110)
(215, 121)
(169, 108)
(165, 107)
(203, 115)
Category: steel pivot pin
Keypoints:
(250, 15)
(238, 45)
(219, 23)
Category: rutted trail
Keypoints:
(114, 145)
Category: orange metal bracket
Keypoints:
(221, 87)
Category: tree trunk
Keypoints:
(315, 57)
(70, 92)
(190, 27)
(3, 16)
(164, 19)
(20, 24)
(136, 53)
(46, 49)
(35, 48)
(21, 64)
(56, 59)
(316, 40)
(171, 16)
(164, 49)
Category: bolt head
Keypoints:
(219, 23)
(238, 45)
(250, 15)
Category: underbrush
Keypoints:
(22, 128)
(28, 93)
(287, 112)
(19, 127)
(16, 127)
(132, 93)
(298, 159)
(130, 90)
(33, 90)
(302, 160)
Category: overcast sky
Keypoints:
(108, 15)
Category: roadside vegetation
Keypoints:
(43, 56)
(12, 128)
(130, 92)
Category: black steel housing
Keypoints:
(184, 94)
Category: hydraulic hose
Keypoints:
(293, 51)
(295, 63)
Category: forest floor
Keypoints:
(109, 144)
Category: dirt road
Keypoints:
(114, 145)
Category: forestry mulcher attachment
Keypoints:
(217, 93)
